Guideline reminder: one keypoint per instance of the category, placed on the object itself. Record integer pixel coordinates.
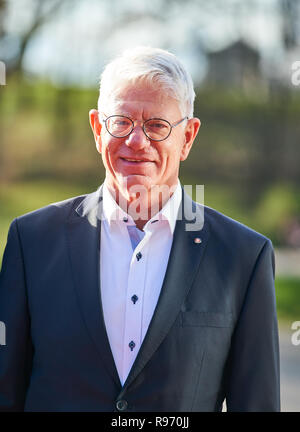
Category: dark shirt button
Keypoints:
(121, 405)
(125, 219)
(134, 299)
(138, 256)
(131, 345)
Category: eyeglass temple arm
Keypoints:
(180, 121)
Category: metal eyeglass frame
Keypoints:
(143, 127)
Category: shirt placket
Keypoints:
(134, 304)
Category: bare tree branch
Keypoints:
(44, 11)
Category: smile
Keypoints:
(135, 160)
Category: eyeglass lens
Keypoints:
(155, 129)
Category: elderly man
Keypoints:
(121, 301)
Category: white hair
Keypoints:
(158, 67)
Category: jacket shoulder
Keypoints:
(230, 230)
(57, 211)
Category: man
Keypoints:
(115, 300)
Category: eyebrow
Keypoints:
(124, 112)
(118, 105)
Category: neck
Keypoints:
(144, 203)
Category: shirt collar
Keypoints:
(170, 209)
(113, 212)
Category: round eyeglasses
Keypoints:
(156, 129)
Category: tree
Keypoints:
(41, 12)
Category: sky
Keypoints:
(84, 35)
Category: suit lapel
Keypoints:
(184, 262)
(83, 233)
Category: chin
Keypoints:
(135, 182)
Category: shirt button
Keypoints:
(121, 405)
(134, 299)
(125, 219)
(131, 345)
(138, 256)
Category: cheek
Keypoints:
(109, 149)
(107, 154)
(173, 155)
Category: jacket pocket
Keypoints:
(206, 319)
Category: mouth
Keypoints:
(136, 161)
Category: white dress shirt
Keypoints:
(132, 267)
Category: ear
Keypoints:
(190, 134)
(96, 128)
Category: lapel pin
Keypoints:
(197, 240)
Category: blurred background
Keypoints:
(244, 57)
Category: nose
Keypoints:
(137, 140)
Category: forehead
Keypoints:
(143, 100)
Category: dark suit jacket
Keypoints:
(213, 334)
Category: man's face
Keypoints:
(156, 163)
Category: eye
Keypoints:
(118, 125)
(121, 122)
(159, 125)
(156, 124)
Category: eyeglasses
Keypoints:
(155, 129)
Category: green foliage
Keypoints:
(288, 298)
(20, 198)
(278, 207)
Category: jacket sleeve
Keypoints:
(252, 380)
(16, 353)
